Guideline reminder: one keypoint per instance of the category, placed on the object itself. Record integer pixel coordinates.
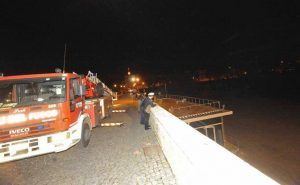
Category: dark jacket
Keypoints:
(145, 102)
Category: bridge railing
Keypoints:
(207, 102)
(195, 159)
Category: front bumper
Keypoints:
(24, 148)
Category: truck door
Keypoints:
(75, 100)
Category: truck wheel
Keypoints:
(86, 133)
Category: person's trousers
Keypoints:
(146, 119)
(142, 121)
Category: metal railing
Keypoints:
(206, 102)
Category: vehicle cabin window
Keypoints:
(34, 91)
(74, 88)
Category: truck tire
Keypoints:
(86, 133)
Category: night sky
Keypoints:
(157, 36)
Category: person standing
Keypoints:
(141, 109)
(145, 114)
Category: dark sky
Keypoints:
(107, 36)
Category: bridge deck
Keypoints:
(190, 112)
(116, 155)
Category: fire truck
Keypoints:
(45, 113)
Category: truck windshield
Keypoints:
(24, 92)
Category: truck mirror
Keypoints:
(82, 90)
(72, 105)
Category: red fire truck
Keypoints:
(44, 113)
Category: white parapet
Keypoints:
(197, 160)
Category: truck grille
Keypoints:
(35, 130)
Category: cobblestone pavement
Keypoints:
(126, 155)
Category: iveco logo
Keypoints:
(19, 131)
